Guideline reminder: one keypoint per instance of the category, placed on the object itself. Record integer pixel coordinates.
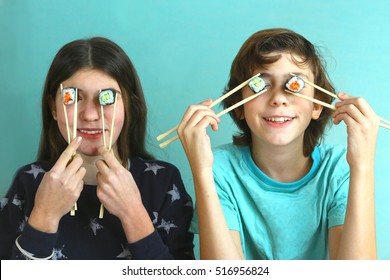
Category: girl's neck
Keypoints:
(284, 163)
(89, 163)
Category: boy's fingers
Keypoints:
(207, 102)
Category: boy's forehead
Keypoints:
(284, 66)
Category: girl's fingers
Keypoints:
(101, 166)
(75, 164)
(67, 155)
(109, 158)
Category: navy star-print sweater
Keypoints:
(85, 236)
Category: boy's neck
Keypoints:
(283, 164)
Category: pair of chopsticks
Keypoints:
(227, 110)
(102, 104)
(383, 122)
(68, 99)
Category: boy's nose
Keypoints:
(278, 96)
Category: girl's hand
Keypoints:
(59, 190)
(117, 189)
(362, 128)
(119, 194)
(193, 135)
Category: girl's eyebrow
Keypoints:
(80, 90)
(113, 89)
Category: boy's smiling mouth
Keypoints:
(278, 119)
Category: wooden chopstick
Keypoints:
(215, 102)
(333, 95)
(325, 104)
(74, 207)
(312, 99)
(317, 87)
(227, 110)
(101, 211)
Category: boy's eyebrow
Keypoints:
(299, 74)
(287, 75)
(265, 74)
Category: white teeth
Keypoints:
(90, 131)
(278, 119)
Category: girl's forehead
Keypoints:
(91, 81)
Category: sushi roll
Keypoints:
(106, 97)
(257, 84)
(295, 84)
(69, 95)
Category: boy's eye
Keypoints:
(295, 84)
(69, 95)
(257, 84)
(106, 97)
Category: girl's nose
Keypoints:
(89, 111)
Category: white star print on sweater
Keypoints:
(35, 170)
(85, 236)
(153, 167)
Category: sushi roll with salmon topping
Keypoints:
(295, 84)
(69, 95)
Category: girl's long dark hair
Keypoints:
(104, 55)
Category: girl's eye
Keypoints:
(295, 84)
(106, 97)
(69, 95)
(257, 84)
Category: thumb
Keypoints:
(343, 96)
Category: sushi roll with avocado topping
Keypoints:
(257, 84)
(106, 97)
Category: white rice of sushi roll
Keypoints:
(295, 84)
(257, 84)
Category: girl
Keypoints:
(277, 192)
(148, 210)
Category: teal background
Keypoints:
(183, 51)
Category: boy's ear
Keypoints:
(317, 109)
(240, 113)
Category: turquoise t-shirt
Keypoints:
(282, 220)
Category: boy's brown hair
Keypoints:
(254, 54)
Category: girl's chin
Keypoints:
(89, 152)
